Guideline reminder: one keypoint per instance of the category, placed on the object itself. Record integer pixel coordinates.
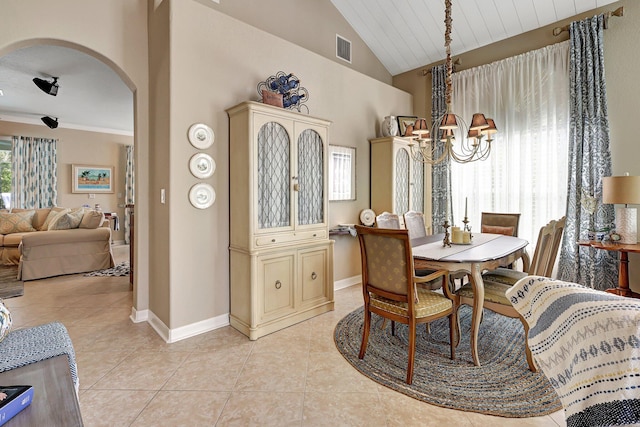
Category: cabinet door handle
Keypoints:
(278, 284)
(314, 276)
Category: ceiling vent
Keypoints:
(343, 48)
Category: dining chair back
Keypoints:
(388, 220)
(546, 252)
(414, 222)
(500, 223)
(392, 292)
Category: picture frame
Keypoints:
(92, 179)
(403, 122)
(342, 173)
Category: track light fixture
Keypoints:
(48, 87)
(50, 121)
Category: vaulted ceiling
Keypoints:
(408, 34)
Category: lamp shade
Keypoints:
(420, 128)
(621, 190)
(478, 121)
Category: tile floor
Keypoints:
(294, 377)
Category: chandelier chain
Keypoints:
(447, 45)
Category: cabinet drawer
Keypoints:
(290, 237)
(277, 282)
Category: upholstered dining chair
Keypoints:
(389, 288)
(414, 222)
(500, 223)
(497, 282)
(388, 220)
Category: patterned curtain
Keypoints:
(440, 173)
(34, 173)
(129, 192)
(589, 160)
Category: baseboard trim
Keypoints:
(345, 283)
(183, 332)
(139, 316)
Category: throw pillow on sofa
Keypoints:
(67, 220)
(5, 320)
(18, 222)
(91, 219)
(52, 214)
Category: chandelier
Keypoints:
(477, 143)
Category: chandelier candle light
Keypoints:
(472, 148)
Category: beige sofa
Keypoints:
(52, 242)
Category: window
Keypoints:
(5, 173)
(342, 173)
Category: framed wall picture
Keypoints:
(403, 122)
(92, 179)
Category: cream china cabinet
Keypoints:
(397, 181)
(281, 258)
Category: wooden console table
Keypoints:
(623, 269)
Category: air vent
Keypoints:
(343, 48)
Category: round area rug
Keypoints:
(502, 386)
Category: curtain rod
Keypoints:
(618, 12)
(426, 72)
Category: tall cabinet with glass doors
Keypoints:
(281, 258)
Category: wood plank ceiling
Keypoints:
(408, 34)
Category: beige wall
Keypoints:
(290, 20)
(215, 63)
(85, 148)
(623, 87)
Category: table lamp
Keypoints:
(623, 190)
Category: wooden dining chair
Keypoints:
(389, 288)
(388, 220)
(497, 282)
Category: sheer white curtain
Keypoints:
(528, 97)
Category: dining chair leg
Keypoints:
(452, 333)
(365, 332)
(456, 314)
(530, 361)
(393, 328)
(412, 351)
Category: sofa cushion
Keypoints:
(39, 217)
(52, 214)
(66, 220)
(91, 219)
(16, 222)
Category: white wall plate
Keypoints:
(202, 195)
(202, 165)
(201, 136)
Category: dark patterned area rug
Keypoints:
(10, 286)
(502, 386)
(121, 269)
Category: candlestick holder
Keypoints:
(446, 242)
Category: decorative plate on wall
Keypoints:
(201, 136)
(202, 195)
(202, 165)
(367, 217)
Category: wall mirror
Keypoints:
(342, 173)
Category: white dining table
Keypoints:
(486, 252)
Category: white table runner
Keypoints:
(436, 251)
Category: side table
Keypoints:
(623, 269)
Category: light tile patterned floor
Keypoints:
(294, 377)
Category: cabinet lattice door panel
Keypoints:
(281, 258)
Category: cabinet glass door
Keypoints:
(402, 181)
(417, 186)
(310, 178)
(274, 189)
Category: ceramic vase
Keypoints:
(389, 126)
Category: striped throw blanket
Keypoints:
(587, 343)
